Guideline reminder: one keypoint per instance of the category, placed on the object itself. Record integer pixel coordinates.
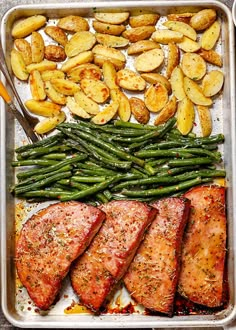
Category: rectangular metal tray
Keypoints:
(12, 136)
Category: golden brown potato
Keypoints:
(57, 34)
(23, 46)
(109, 75)
(73, 23)
(54, 53)
(139, 110)
(47, 75)
(27, 25)
(138, 33)
(166, 36)
(65, 87)
(76, 109)
(86, 103)
(204, 115)
(143, 20)
(53, 94)
(172, 58)
(154, 78)
(167, 112)
(85, 57)
(37, 47)
(41, 66)
(82, 71)
(181, 27)
(142, 46)
(185, 116)
(112, 17)
(95, 89)
(106, 114)
(80, 42)
(203, 19)
(106, 28)
(18, 65)
(149, 61)
(111, 41)
(180, 17)
(210, 36)
(177, 83)
(37, 86)
(188, 45)
(212, 83)
(109, 52)
(124, 110)
(211, 56)
(43, 108)
(100, 59)
(193, 66)
(195, 93)
(48, 124)
(130, 80)
(156, 97)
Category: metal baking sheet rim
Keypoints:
(119, 321)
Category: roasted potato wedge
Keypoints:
(85, 57)
(86, 103)
(43, 108)
(76, 109)
(149, 61)
(142, 46)
(18, 65)
(37, 47)
(212, 83)
(53, 94)
(37, 86)
(109, 75)
(48, 124)
(130, 80)
(204, 115)
(139, 110)
(181, 27)
(138, 33)
(23, 46)
(193, 66)
(111, 41)
(188, 45)
(57, 34)
(156, 97)
(143, 20)
(106, 114)
(54, 53)
(203, 19)
(80, 42)
(166, 36)
(154, 78)
(210, 36)
(100, 59)
(112, 17)
(73, 23)
(177, 83)
(180, 17)
(41, 66)
(124, 110)
(27, 25)
(87, 70)
(167, 112)
(185, 116)
(95, 89)
(65, 87)
(109, 52)
(47, 75)
(195, 93)
(172, 58)
(106, 28)
(211, 56)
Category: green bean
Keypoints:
(56, 156)
(163, 153)
(191, 161)
(163, 145)
(95, 172)
(107, 194)
(44, 193)
(40, 143)
(163, 190)
(140, 199)
(201, 151)
(42, 183)
(159, 161)
(28, 162)
(43, 150)
(219, 138)
(88, 179)
(100, 196)
(120, 123)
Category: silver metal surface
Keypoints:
(234, 12)
(11, 136)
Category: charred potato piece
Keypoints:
(112, 17)
(211, 56)
(23, 46)
(25, 27)
(185, 116)
(73, 23)
(172, 58)
(181, 27)
(204, 115)
(106, 114)
(167, 112)
(203, 19)
(138, 33)
(143, 20)
(48, 124)
(130, 80)
(85, 57)
(37, 86)
(177, 83)
(156, 97)
(53, 94)
(195, 93)
(43, 108)
(76, 109)
(212, 83)
(37, 47)
(54, 53)
(95, 89)
(57, 34)
(142, 46)
(18, 65)
(210, 36)
(193, 66)
(139, 110)
(80, 42)
(86, 103)
(167, 36)
(111, 41)
(65, 87)
(106, 28)
(154, 78)
(149, 61)
(82, 71)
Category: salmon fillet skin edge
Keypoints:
(152, 277)
(95, 273)
(49, 242)
(204, 247)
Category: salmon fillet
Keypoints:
(204, 247)
(48, 243)
(95, 273)
(153, 274)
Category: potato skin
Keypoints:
(73, 23)
(203, 19)
(139, 110)
(54, 53)
(57, 34)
